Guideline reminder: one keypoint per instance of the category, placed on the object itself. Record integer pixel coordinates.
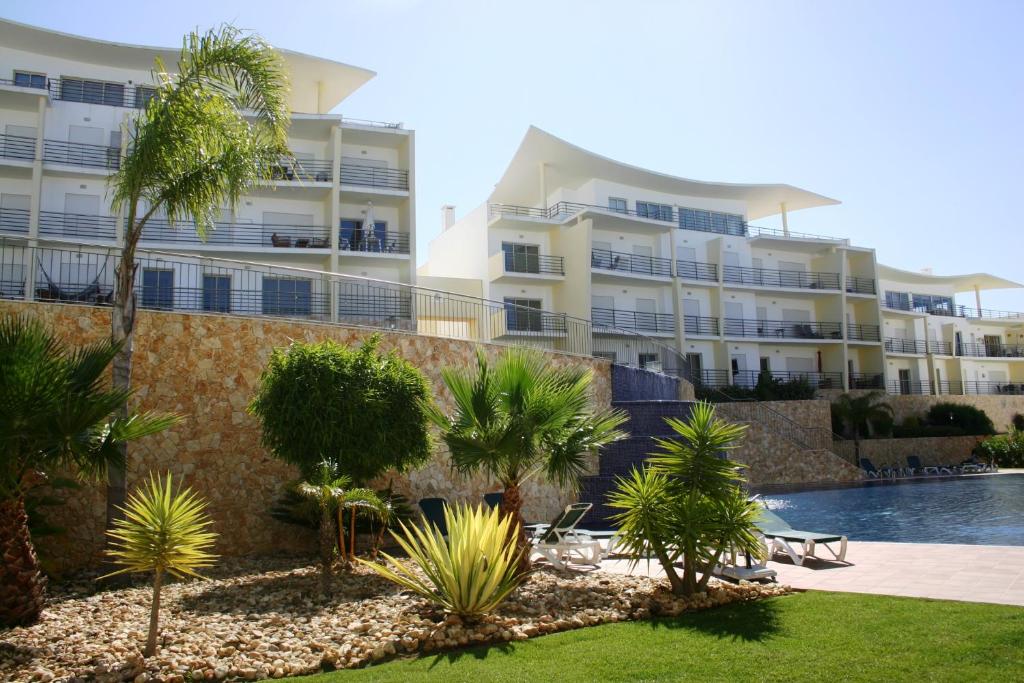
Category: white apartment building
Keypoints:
(637, 251)
(344, 204)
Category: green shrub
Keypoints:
(469, 573)
(968, 418)
(773, 389)
(1005, 450)
(1018, 422)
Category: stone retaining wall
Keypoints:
(1000, 408)
(206, 367)
(933, 450)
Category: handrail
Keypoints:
(766, 277)
(696, 324)
(782, 329)
(863, 332)
(696, 270)
(635, 320)
(630, 263)
(989, 350)
(17, 147)
(523, 262)
(82, 154)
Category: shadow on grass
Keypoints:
(480, 652)
(748, 621)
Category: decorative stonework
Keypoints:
(206, 368)
(933, 450)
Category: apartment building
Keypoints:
(676, 260)
(344, 204)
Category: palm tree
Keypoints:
(206, 137)
(331, 493)
(861, 414)
(521, 418)
(55, 413)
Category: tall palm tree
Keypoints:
(521, 418)
(209, 133)
(55, 413)
(861, 414)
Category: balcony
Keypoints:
(240, 235)
(632, 264)
(694, 270)
(859, 332)
(782, 329)
(660, 323)
(375, 177)
(376, 242)
(710, 377)
(532, 264)
(981, 387)
(82, 154)
(867, 380)
(763, 277)
(302, 170)
(100, 92)
(860, 285)
(897, 345)
(990, 350)
(522, 320)
(908, 386)
(697, 325)
(59, 225)
(17, 147)
(940, 348)
(954, 311)
(818, 380)
(14, 220)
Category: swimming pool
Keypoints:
(976, 510)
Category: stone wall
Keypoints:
(933, 450)
(206, 367)
(1000, 408)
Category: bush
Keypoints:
(1018, 422)
(470, 573)
(772, 389)
(968, 418)
(1005, 450)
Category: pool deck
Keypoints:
(972, 573)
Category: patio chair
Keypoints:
(783, 537)
(914, 463)
(560, 542)
(433, 513)
(870, 469)
(493, 499)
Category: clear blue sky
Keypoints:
(911, 113)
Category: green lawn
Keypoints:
(811, 636)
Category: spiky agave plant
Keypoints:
(468, 573)
(165, 532)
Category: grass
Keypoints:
(811, 636)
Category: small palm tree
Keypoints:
(163, 532)
(860, 415)
(55, 413)
(332, 493)
(521, 418)
(209, 134)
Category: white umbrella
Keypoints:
(368, 226)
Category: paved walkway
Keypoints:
(973, 573)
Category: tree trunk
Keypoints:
(352, 535)
(22, 585)
(674, 581)
(327, 540)
(154, 615)
(512, 506)
(689, 585)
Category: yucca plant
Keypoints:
(469, 573)
(165, 532)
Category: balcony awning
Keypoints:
(959, 283)
(567, 165)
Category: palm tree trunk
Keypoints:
(122, 320)
(512, 506)
(22, 585)
(154, 615)
(352, 535)
(674, 581)
(327, 540)
(689, 584)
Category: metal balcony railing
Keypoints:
(373, 176)
(764, 277)
(630, 263)
(941, 348)
(56, 224)
(376, 242)
(860, 285)
(112, 94)
(896, 386)
(633, 320)
(82, 154)
(526, 320)
(897, 345)
(26, 83)
(17, 147)
(302, 170)
(695, 270)
(782, 329)
(989, 350)
(956, 311)
(14, 221)
(239, 235)
(867, 380)
(818, 380)
(862, 332)
(537, 264)
(709, 377)
(695, 324)
(980, 387)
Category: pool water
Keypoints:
(976, 510)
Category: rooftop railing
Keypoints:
(957, 311)
(630, 263)
(781, 329)
(764, 277)
(371, 123)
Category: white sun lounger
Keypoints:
(783, 538)
(560, 543)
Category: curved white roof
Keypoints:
(569, 165)
(959, 283)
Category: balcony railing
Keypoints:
(17, 147)
(56, 224)
(941, 348)
(989, 350)
(24, 84)
(517, 211)
(819, 380)
(956, 311)
(897, 345)
(694, 270)
(630, 263)
(374, 176)
(303, 170)
(981, 387)
(695, 324)
(867, 380)
(897, 386)
(633, 320)
(97, 92)
(782, 329)
(711, 378)
(14, 220)
(862, 332)
(537, 264)
(240, 235)
(860, 285)
(763, 277)
(525, 320)
(82, 154)
(377, 242)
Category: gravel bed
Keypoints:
(267, 619)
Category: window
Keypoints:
(26, 79)
(92, 92)
(286, 296)
(618, 205)
(898, 300)
(521, 258)
(523, 315)
(157, 288)
(712, 221)
(930, 303)
(217, 293)
(659, 212)
(143, 94)
(648, 360)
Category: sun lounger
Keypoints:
(493, 499)
(433, 513)
(915, 464)
(783, 537)
(748, 570)
(560, 542)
